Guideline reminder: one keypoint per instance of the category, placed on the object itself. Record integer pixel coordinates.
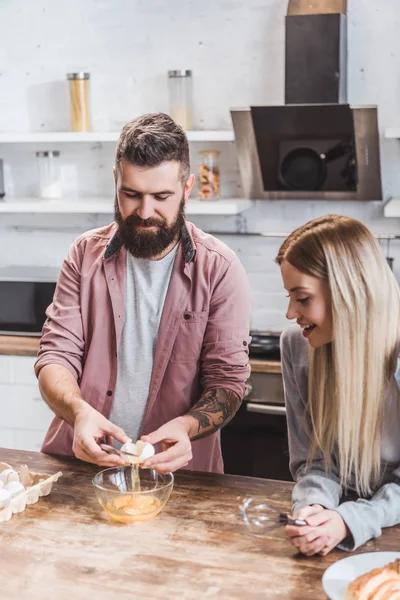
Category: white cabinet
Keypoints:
(5, 369)
(24, 416)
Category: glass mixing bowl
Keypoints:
(118, 495)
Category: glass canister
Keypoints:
(49, 174)
(181, 98)
(2, 192)
(209, 175)
(79, 102)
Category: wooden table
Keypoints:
(64, 547)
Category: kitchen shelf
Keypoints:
(105, 136)
(105, 206)
(392, 208)
(392, 132)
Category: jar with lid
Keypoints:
(79, 102)
(2, 192)
(181, 98)
(49, 174)
(209, 175)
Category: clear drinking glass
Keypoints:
(49, 174)
(181, 98)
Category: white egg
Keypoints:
(1, 485)
(14, 487)
(145, 450)
(129, 447)
(5, 498)
(9, 475)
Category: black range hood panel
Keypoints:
(308, 152)
(317, 73)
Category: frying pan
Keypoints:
(305, 169)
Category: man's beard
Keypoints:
(148, 244)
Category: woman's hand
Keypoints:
(307, 511)
(325, 529)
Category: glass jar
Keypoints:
(49, 174)
(2, 192)
(209, 175)
(79, 101)
(181, 98)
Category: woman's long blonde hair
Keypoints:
(349, 377)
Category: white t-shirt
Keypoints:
(147, 283)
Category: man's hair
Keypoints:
(152, 139)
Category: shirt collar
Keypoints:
(187, 243)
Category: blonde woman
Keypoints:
(339, 370)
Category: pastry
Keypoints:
(379, 584)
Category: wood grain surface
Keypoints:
(29, 346)
(19, 345)
(64, 546)
(316, 7)
(259, 365)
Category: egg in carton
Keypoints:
(20, 488)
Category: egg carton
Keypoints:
(36, 485)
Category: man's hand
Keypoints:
(89, 427)
(175, 440)
(325, 529)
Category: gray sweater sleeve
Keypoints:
(313, 486)
(364, 517)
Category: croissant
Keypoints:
(379, 584)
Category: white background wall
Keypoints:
(236, 52)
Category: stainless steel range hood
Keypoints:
(260, 154)
(315, 146)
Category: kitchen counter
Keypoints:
(259, 365)
(29, 346)
(64, 547)
(18, 345)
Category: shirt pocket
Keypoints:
(190, 336)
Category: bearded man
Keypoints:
(147, 335)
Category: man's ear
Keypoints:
(188, 186)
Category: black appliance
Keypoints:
(264, 345)
(25, 294)
(306, 148)
(255, 442)
(315, 146)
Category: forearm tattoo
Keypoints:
(214, 410)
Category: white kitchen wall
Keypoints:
(236, 52)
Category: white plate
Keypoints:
(337, 577)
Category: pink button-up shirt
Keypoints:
(202, 339)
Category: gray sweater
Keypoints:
(364, 517)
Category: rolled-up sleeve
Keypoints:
(62, 339)
(225, 349)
